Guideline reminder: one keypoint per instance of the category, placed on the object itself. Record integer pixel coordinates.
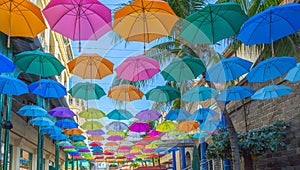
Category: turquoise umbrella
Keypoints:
(41, 121)
(87, 91)
(270, 92)
(32, 110)
(294, 74)
(59, 137)
(119, 114)
(51, 130)
(202, 114)
(163, 94)
(177, 114)
(199, 94)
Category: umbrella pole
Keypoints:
(1, 117)
(77, 164)
(66, 161)
(72, 165)
(38, 149)
(6, 137)
(56, 156)
(42, 151)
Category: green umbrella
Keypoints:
(186, 68)
(86, 91)
(64, 143)
(213, 23)
(196, 159)
(92, 113)
(39, 63)
(162, 94)
(91, 125)
(79, 143)
(70, 150)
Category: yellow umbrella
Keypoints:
(135, 151)
(91, 125)
(187, 126)
(92, 113)
(151, 146)
(112, 133)
(20, 18)
(125, 92)
(166, 126)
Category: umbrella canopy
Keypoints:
(139, 127)
(228, 69)
(115, 138)
(201, 93)
(66, 124)
(48, 89)
(91, 66)
(12, 86)
(168, 137)
(187, 126)
(6, 64)
(213, 23)
(166, 126)
(96, 138)
(196, 158)
(144, 21)
(142, 143)
(32, 110)
(148, 115)
(177, 114)
(78, 19)
(126, 143)
(38, 63)
(202, 114)
(200, 135)
(270, 92)
(119, 114)
(21, 19)
(52, 130)
(77, 137)
(271, 68)
(91, 125)
(61, 112)
(151, 146)
(73, 131)
(162, 94)
(87, 91)
(270, 25)
(64, 143)
(116, 126)
(138, 68)
(92, 113)
(59, 137)
(95, 132)
(79, 143)
(186, 68)
(41, 121)
(154, 132)
(294, 74)
(235, 93)
(95, 144)
(210, 125)
(125, 92)
(111, 144)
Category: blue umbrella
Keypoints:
(210, 125)
(12, 86)
(294, 74)
(159, 150)
(200, 135)
(66, 124)
(59, 137)
(271, 68)
(199, 94)
(270, 92)
(51, 130)
(228, 69)
(177, 114)
(202, 114)
(235, 93)
(48, 89)
(6, 64)
(41, 121)
(270, 25)
(74, 153)
(119, 114)
(32, 110)
(77, 137)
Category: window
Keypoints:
(9, 157)
(25, 160)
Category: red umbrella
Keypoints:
(95, 144)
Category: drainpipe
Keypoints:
(183, 158)
(174, 159)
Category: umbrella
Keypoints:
(213, 23)
(151, 146)
(91, 125)
(52, 130)
(32, 110)
(79, 143)
(12, 86)
(154, 132)
(228, 69)
(92, 113)
(158, 142)
(125, 92)
(64, 143)
(177, 114)
(39, 63)
(196, 158)
(186, 68)
(111, 144)
(271, 68)
(61, 112)
(41, 121)
(96, 138)
(152, 138)
(116, 126)
(168, 137)
(270, 25)
(48, 89)
(159, 150)
(115, 138)
(95, 132)
(139, 127)
(83, 150)
(90, 66)
(142, 143)
(199, 94)
(95, 144)
(78, 19)
(126, 143)
(270, 92)
(73, 131)
(117, 133)
(119, 114)
(59, 137)
(133, 139)
(294, 74)
(162, 94)
(148, 115)
(200, 135)
(21, 19)
(66, 123)
(202, 114)
(210, 125)
(77, 137)
(6, 64)
(166, 126)
(87, 91)
(138, 68)
(187, 126)
(235, 93)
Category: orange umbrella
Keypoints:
(73, 131)
(96, 138)
(125, 92)
(20, 18)
(111, 144)
(187, 126)
(137, 147)
(90, 66)
(144, 20)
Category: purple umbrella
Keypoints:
(67, 147)
(62, 112)
(130, 156)
(97, 153)
(148, 150)
(148, 115)
(115, 138)
(153, 132)
(95, 132)
(139, 127)
(123, 150)
(83, 150)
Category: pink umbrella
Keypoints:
(148, 150)
(123, 150)
(152, 138)
(78, 19)
(153, 132)
(139, 127)
(148, 115)
(142, 143)
(115, 138)
(138, 68)
(124, 147)
(130, 156)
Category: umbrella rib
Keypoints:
(17, 6)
